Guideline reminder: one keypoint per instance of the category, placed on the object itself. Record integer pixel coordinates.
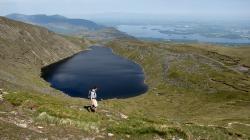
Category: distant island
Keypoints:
(206, 32)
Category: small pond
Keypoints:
(115, 76)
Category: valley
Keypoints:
(196, 90)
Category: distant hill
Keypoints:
(67, 26)
(56, 21)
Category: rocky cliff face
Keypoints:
(25, 49)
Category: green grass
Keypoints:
(139, 126)
(195, 87)
(55, 106)
(192, 95)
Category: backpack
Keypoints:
(89, 95)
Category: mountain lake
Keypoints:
(115, 76)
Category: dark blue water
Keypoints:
(116, 77)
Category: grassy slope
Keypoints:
(25, 49)
(192, 94)
(189, 85)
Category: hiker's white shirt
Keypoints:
(93, 97)
(93, 94)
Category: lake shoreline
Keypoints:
(139, 87)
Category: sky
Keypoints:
(102, 9)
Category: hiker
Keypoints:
(92, 96)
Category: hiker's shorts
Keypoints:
(94, 102)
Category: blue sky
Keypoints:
(95, 8)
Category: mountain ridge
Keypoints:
(26, 47)
(46, 19)
(67, 26)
